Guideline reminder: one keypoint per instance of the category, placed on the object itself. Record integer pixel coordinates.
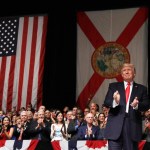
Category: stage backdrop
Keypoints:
(105, 40)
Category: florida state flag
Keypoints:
(105, 40)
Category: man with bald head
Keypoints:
(88, 131)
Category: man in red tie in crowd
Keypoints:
(126, 101)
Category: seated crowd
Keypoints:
(68, 124)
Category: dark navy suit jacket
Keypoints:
(82, 132)
(116, 115)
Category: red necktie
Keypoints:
(127, 91)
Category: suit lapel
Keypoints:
(134, 91)
(121, 90)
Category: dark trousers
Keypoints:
(72, 144)
(146, 146)
(124, 142)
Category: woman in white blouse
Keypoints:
(59, 128)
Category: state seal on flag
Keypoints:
(108, 59)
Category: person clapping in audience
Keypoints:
(7, 130)
(40, 128)
(18, 129)
(146, 133)
(59, 129)
(102, 124)
(75, 123)
(88, 131)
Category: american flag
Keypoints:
(22, 50)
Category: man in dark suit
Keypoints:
(75, 124)
(124, 123)
(73, 127)
(88, 131)
(21, 129)
(40, 128)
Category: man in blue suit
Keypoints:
(88, 131)
(124, 123)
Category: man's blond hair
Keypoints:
(128, 65)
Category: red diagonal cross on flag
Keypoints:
(97, 40)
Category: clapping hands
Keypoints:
(88, 132)
(135, 102)
(116, 97)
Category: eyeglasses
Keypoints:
(78, 114)
(90, 117)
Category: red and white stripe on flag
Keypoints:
(92, 145)
(81, 145)
(127, 27)
(58, 145)
(88, 145)
(21, 74)
(26, 144)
